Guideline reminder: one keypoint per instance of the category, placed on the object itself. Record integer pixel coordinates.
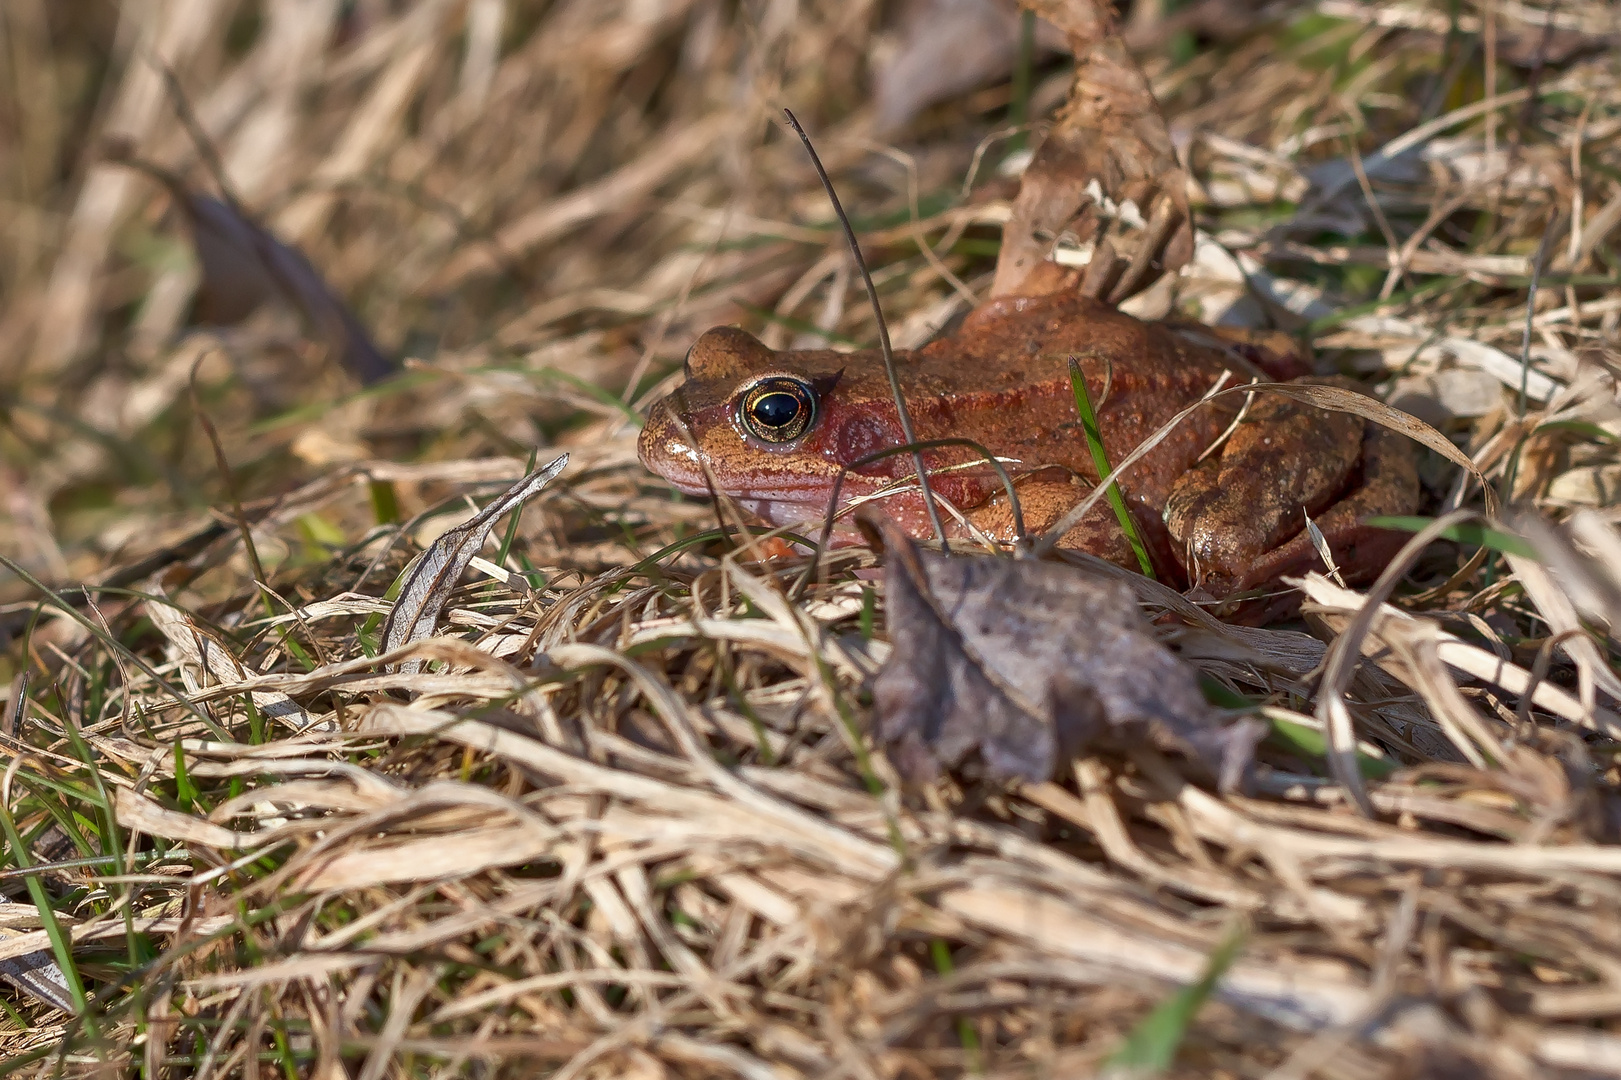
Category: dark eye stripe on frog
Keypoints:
(778, 409)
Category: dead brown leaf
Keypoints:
(1025, 664)
(244, 266)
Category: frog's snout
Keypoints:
(666, 449)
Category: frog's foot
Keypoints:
(1388, 486)
(1241, 519)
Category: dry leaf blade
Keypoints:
(428, 584)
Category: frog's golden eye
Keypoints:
(778, 408)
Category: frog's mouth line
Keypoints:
(782, 512)
(806, 507)
(783, 506)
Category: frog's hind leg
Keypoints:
(1388, 484)
(1285, 460)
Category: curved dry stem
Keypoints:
(1347, 649)
(907, 431)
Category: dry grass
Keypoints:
(624, 824)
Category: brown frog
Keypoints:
(775, 428)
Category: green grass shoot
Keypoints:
(1100, 460)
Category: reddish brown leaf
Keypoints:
(1106, 172)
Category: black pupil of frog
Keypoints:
(777, 409)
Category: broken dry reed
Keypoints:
(616, 823)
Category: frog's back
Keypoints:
(1003, 381)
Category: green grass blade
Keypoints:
(940, 953)
(1336, 319)
(510, 537)
(1100, 461)
(1312, 744)
(1019, 107)
(1469, 532)
(61, 944)
(1580, 427)
(1152, 1045)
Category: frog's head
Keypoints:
(773, 428)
